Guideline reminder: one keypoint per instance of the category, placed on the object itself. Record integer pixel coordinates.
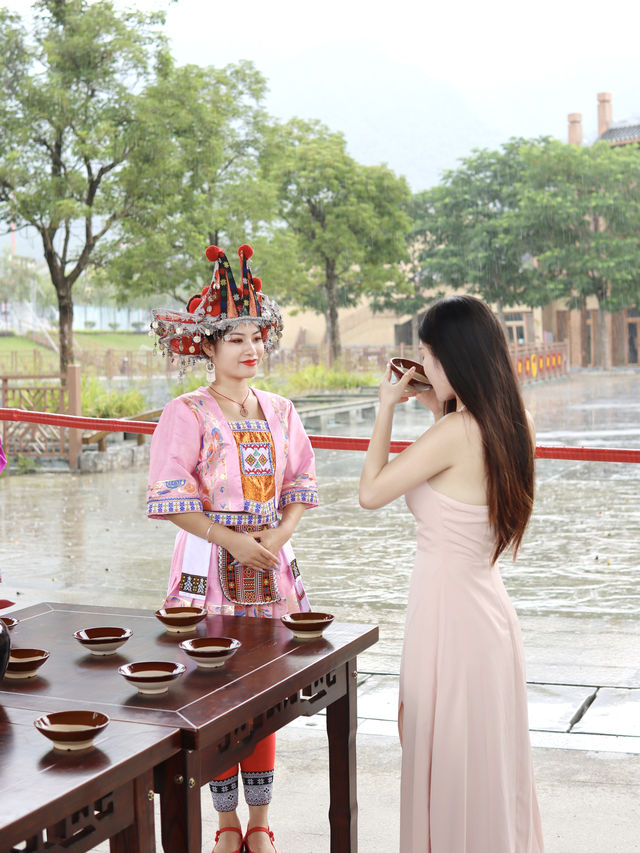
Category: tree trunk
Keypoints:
(63, 285)
(603, 336)
(585, 360)
(65, 308)
(333, 330)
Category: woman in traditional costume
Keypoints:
(467, 777)
(233, 468)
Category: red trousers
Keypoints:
(257, 777)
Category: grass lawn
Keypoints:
(16, 351)
(94, 341)
(17, 357)
(99, 341)
(16, 343)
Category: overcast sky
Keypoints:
(417, 84)
(518, 67)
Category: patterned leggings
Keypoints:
(257, 778)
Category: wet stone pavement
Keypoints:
(84, 537)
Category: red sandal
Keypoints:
(259, 829)
(229, 829)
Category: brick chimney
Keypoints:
(575, 129)
(604, 112)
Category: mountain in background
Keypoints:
(388, 112)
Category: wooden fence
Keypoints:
(46, 393)
(50, 395)
(534, 362)
(142, 364)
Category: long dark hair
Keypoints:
(467, 339)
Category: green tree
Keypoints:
(580, 207)
(196, 164)
(341, 226)
(67, 127)
(418, 288)
(473, 238)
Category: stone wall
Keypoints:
(122, 454)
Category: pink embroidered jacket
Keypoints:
(195, 466)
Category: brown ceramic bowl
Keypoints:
(71, 729)
(152, 677)
(24, 663)
(9, 621)
(307, 626)
(103, 641)
(180, 619)
(210, 652)
(419, 382)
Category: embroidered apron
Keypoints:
(242, 584)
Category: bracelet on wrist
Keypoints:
(209, 532)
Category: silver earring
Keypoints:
(211, 371)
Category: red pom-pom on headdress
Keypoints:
(213, 253)
(194, 303)
(245, 251)
(257, 284)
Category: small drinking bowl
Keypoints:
(24, 663)
(103, 641)
(210, 652)
(180, 619)
(71, 729)
(152, 677)
(307, 626)
(419, 381)
(9, 621)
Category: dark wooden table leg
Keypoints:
(178, 783)
(343, 803)
(140, 836)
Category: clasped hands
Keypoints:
(259, 549)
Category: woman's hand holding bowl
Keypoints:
(391, 393)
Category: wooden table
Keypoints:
(221, 713)
(72, 801)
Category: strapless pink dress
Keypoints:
(467, 776)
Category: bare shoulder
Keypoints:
(461, 425)
(449, 435)
(463, 478)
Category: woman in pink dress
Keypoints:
(233, 468)
(467, 778)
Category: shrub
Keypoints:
(319, 377)
(97, 402)
(25, 464)
(314, 377)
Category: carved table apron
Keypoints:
(71, 801)
(221, 713)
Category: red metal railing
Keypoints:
(326, 442)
